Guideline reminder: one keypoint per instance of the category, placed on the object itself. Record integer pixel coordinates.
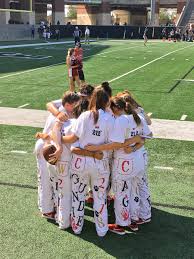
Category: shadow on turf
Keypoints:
(167, 236)
(10, 65)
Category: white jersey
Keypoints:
(126, 127)
(51, 118)
(90, 133)
(65, 131)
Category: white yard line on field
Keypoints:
(18, 151)
(186, 80)
(152, 61)
(183, 117)
(164, 168)
(24, 105)
(60, 63)
(35, 44)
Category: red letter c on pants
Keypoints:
(124, 168)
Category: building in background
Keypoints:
(88, 12)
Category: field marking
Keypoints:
(57, 64)
(183, 117)
(187, 80)
(24, 105)
(150, 114)
(163, 168)
(152, 61)
(37, 44)
(18, 151)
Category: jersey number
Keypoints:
(96, 132)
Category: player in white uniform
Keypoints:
(61, 175)
(46, 181)
(45, 184)
(144, 192)
(93, 126)
(127, 168)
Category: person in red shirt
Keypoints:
(72, 65)
(79, 58)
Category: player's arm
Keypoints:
(52, 109)
(53, 106)
(69, 139)
(56, 137)
(113, 145)
(131, 149)
(83, 152)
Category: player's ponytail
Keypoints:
(99, 100)
(129, 110)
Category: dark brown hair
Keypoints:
(80, 107)
(70, 97)
(107, 88)
(129, 109)
(117, 102)
(99, 100)
(121, 104)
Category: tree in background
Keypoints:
(72, 12)
(167, 16)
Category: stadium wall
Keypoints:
(16, 32)
(115, 32)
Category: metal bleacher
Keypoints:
(188, 14)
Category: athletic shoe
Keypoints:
(133, 226)
(116, 229)
(50, 215)
(143, 221)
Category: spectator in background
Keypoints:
(58, 23)
(57, 34)
(77, 34)
(87, 35)
(78, 52)
(32, 32)
(72, 67)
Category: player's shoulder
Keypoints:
(122, 120)
(85, 115)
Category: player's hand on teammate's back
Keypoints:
(62, 116)
(98, 155)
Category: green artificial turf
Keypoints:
(152, 85)
(24, 234)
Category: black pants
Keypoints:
(77, 39)
(81, 75)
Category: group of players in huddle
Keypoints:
(100, 155)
